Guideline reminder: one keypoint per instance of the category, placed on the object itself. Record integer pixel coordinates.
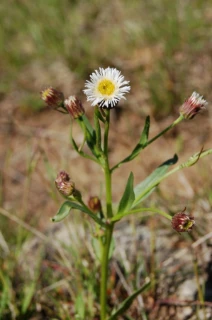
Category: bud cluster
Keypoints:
(55, 99)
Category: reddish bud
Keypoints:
(52, 97)
(94, 204)
(64, 183)
(193, 105)
(74, 107)
(181, 222)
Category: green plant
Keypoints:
(105, 88)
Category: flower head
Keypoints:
(64, 183)
(52, 97)
(181, 222)
(106, 87)
(74, 107)
(193, 105)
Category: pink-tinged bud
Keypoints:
(64, 183)
(94, 204)
(181, 222)
(52, 97)
(74, 107)
(193, 105)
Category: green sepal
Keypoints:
(125, 305)
(145, 188)
(66, 207)
(128, 196)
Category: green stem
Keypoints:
(109, 230)
(104, 271)
(154, 210)
(107, 168)
(108, 192)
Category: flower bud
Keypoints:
(181, 222)
(74, 107)
(64, 183)
(52, 97)
(94, 204)
(193, 105)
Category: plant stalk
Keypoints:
(106, 241)
(104, 272)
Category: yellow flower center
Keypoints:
(106, 87)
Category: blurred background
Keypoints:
(164, 48)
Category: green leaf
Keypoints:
(141, 145)
(88, 125)
(145, 133)
(62, 212)
(128, 196)
(145, 188)
(66, 208)
(125, 305)
(91, 137)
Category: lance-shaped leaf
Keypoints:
(66, 207)
(128, 196)
(143, 189)
(145, 133)
(88, 126)
(142, 142)
(90, 136)
(141, 145)
(125, 305)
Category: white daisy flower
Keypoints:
(106, 87)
